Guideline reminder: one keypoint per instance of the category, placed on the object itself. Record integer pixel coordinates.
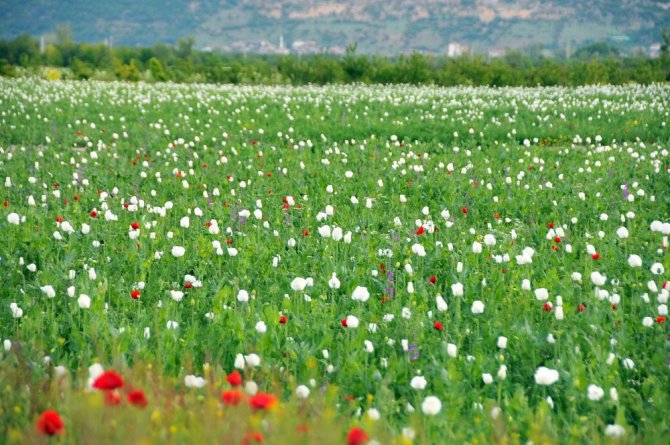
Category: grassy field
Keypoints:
(378, 264)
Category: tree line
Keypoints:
(597, 63)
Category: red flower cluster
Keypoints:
(234, 378)
(112, 398)
(232, 397)
(252, 437)
(108, 381)
(49, 423)
(356, 436)
(262, 401)
(137, 398)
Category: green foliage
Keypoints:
(128, 71)
(157, 70)
(81, 70)
(597, 63)
(97, 187)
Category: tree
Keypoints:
(157, 70)
(355, 67)
(665, 42)
(597, 49)
(63, 35)
(127, 71)
(184, 48)
(53, 56)
(23, 50)
(81, 70)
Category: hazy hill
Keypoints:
(381, 26)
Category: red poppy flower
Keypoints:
(93, 213)
(50, 423)
(208, 224)
(554, 247)
(135, 294)
(234, 378)
(420, 231)
(112, 398)
(548, 307)
(356, 436)
(137, 398)
(283, 319)
(5, 203)
(305, 232)
(581, 308)
(439, 326)
(464, 210)
(262, 400)
(232, 397)
(432, 279)
(496, 215)
(59, 219)
(550, 225)
(343, 322)
(249, 438)
(188, 285)
(135, 225)
(660, 319)
(557, 239)
(596, 256)
(108, 381)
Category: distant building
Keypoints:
(338, 50)
(655, 50)
(497, 52)
(305, 47)
(456, 49)
(258, 47)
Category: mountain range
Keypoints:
(375, 26)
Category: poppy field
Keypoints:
(340, 264)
